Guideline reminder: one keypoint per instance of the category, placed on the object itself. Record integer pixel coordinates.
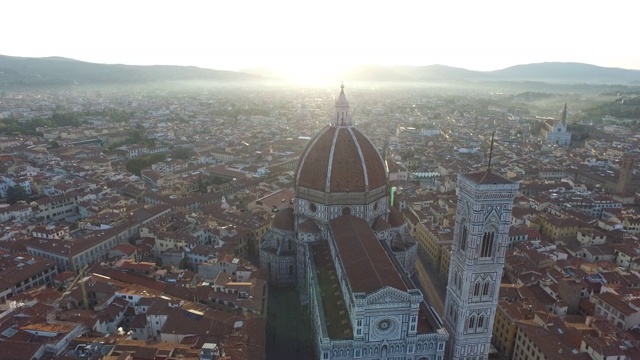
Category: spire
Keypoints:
(564, 114)
(343, 115)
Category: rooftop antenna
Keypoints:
(491, 152)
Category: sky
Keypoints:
(314, 38)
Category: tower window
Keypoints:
(476, 289)
(480, 321)
(486, 250)
(472, 322)
(463, 238)
(485, 289)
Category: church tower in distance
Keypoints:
(483, 217)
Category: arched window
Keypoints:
(480, 321)
(476, 289)
(472, 322)
(486, 250)
(463, 238)
(485, 288)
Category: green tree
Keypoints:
(202, 185)
(136, 165)
(150, 142)
(183, 153)
(16, 193)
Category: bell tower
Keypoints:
(626, 173)
(483, 217)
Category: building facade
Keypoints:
(483, 217)
(557, 133)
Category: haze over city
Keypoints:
(313, 40)
(278, 180)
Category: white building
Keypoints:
(557, 133)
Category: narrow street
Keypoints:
(434, 289)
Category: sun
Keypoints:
(311, 71)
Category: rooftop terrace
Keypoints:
(335, 310)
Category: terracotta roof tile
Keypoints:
(284, 220)
(343, 156)
(487, 178)
(395, 217)
(308, 226)
(366, 263)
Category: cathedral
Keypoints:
(556, 133)
(350, 255)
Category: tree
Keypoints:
(150, 142)
(136, 136)
(16, 193)
(202, 186)
(183, 153)
(136, 165)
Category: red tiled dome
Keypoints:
(380, 225)
(308, 226)
(395, 217)
(340, 159)
(284, 220)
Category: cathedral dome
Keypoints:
(340, 159)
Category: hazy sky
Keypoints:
(320, 36)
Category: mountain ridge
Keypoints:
(56, 70)
(64, 71)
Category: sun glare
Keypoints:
(312, 71)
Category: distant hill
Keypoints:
(569, 72)
(437, 73)
(63, 71)
(549, 72)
